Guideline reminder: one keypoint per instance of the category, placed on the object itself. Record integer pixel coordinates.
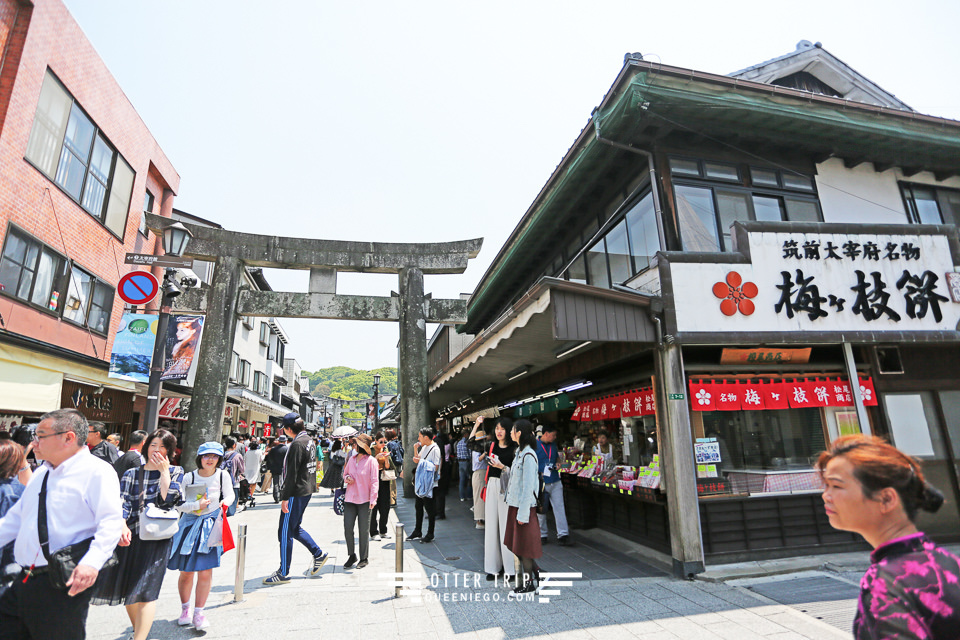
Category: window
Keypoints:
(147, 208)
(931, 205)
(706, 208)
(626, 249)
(234, 367)
(265, 334)
(243, 373)
(32, 271)
(89, 301)
(67, 147)
(260, 382)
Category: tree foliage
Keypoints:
(351, 384)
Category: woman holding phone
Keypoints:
(496, 557)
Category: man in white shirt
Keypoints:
(82, 501)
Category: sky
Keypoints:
(439, 121)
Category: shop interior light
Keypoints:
(569, 348)
(516, 373)
(576, 385)
(466, 400)
(488, 389)
(549, 394)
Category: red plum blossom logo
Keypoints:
(736, 295)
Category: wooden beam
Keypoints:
(853, 163)
(910, 171)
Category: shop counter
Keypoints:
(639, 515)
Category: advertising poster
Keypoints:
(182, 346)
(133, 347)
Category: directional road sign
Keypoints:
(138, 287)
(148, 260)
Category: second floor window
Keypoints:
(931, 205)
(89, 301)
(147, 208)
(34, 273)
(712, 196)
(73, 152)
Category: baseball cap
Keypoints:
(210, 447)
(291, 417)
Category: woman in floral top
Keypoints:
(912, 588)
(136, 579)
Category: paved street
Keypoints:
(617, 597)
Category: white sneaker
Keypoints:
(480, 525)
(375, 538)
(184, 619)
(200, 622)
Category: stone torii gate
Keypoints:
(225, 300)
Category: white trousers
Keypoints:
(496, 556)
(554, 492)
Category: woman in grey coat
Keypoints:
(523, 529)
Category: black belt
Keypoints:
(36, 571)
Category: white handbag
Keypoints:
(156, 523)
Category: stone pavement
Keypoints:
(617, 597)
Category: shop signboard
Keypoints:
(790, 393)
(175, 408)
(546, 405)
(640, 402)
(821, 282)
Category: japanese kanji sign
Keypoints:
(623, 405)
(823, 282)
(737, 395)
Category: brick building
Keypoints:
(77, 168)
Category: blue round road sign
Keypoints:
(138, 287)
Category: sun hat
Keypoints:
(363, 441)
(210, 447)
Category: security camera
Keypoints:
(188, 283)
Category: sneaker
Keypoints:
(276, 578)
(480, 525)
(544, 540)
(184, 619)
(375, 537)
(362, 564)
(463, 499)
(426, 539)
(318, 562)
(564, 541)
(352, 560)
(200, 622)
(384, 536)
(416, 535)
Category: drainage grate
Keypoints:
(452, 558)
(823, 598)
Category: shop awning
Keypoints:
(253, 402)
(32, 382)
(553, 316)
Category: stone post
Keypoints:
(213, 362)
(678, 470)
(414, 400)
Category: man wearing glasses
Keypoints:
(82, 501)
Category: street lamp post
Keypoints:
(175, 239)
(376, 402)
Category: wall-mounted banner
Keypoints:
(632, 403)
(738, 395)
(133, 347)
(182, 346)
(824, 282)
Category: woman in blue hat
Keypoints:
(206, 490)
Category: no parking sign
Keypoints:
(138, 287)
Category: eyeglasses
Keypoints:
(38, 437)
(210, 455)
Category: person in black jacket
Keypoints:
(298, 484)
(275, 465)
(132, 458)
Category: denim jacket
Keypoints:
(524, 483)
